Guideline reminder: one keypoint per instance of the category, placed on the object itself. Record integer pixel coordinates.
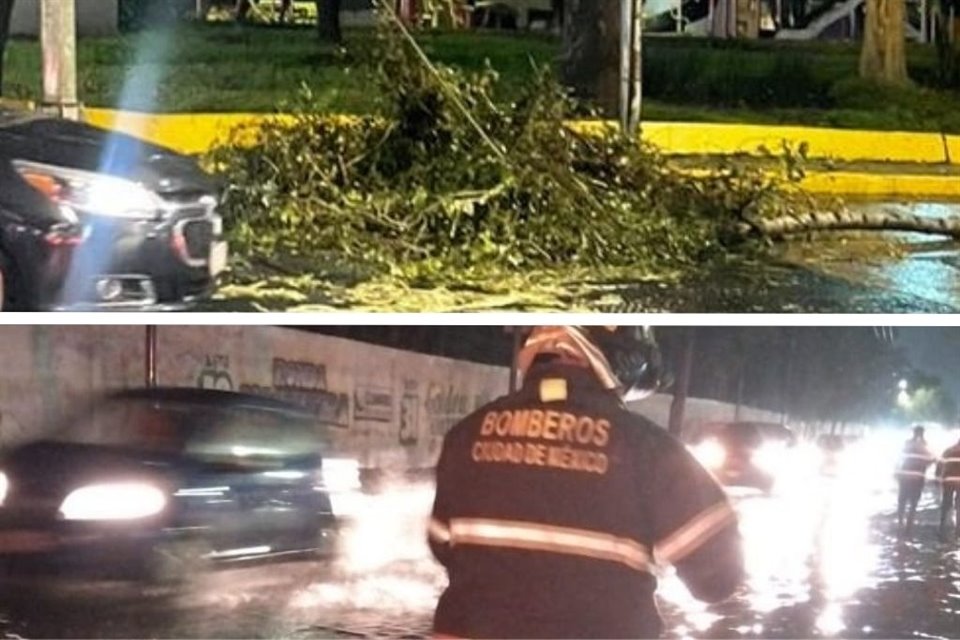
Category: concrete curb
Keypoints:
(863, 184)
(198, 133)
(878, 185)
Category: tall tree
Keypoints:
(682, 385)
(328, 21)
(591, 51)
(883, 57)
(6, 10)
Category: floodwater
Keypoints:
(822, 555)
(864, 272)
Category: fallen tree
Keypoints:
(846, 220)
(447, 182)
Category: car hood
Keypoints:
(77, 145)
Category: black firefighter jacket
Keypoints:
(948, 470)
(555, 506)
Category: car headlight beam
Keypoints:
(89, 192)
(114, 501)
(340, 474)
(771, 457)
(710, 454)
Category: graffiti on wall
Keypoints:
(304, 384)
(215, 373)
(409, 433)
(373, 403)
(298, 382)
(446, 405)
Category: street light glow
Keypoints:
(903, 399)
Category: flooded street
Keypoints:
(863, 272)
(928, 269)
(823, 558)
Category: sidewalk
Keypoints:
(866, 179)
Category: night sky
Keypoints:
(934, 350)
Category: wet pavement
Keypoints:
(831, 272)
(835, 273)
(823, 558)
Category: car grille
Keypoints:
(197, 226)
(197, 235)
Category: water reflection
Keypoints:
(928, 269)
(822, 560)
(809, 548)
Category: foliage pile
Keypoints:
(447, 181)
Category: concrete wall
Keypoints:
(385, 406)
(389, 408)
(94, 17)
(698, 411)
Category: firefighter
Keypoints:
(556, 507)
(911, 473)
(948, 473)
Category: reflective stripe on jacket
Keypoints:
(949, 466)
(554, 507)
(914, 459)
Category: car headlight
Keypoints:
(770, 457)
(4, 487)
(113, 501)
(710, 453)
(340, 474)
(89, 192)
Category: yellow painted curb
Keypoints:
(953, 148)
(863, 184)
(878, 185)
(197, 133)
(186, 133)
(696, 138)
(839, 144)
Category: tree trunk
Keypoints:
(590, 58)
(682, 384)
(740, 378)
(855, 221)
(947, 38)
(883, 57)
(6, 9)
(328, 21)
(556, 7)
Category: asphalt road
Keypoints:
(845, 273)
(823, 561)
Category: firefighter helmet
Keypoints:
(633, 355)
(623, 358)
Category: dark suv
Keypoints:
(93, 219)
(155, 483)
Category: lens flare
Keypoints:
(121, 156)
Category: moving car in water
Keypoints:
(93, 219)
(747, 454)
(154, 483)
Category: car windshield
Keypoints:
(208, 430)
